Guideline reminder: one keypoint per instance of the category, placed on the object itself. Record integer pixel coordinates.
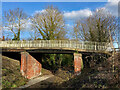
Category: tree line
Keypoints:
(50, 25)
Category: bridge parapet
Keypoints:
(84, 45)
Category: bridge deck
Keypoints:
(55, 44)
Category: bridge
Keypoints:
(31, 68)
(55, 44)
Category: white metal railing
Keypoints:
(85, 45)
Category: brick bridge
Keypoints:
(31, 68)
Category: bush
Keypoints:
(55, 61)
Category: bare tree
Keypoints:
(96, 27)
(35, 35)
(99, 27)
(14, 20)
(49, 23)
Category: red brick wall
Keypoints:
(30, 67)
(77, 62)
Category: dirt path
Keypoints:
(36, 80)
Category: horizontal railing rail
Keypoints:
(85, 45)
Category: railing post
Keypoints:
(82, 45)
(95, 46)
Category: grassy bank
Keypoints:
(11, 76)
